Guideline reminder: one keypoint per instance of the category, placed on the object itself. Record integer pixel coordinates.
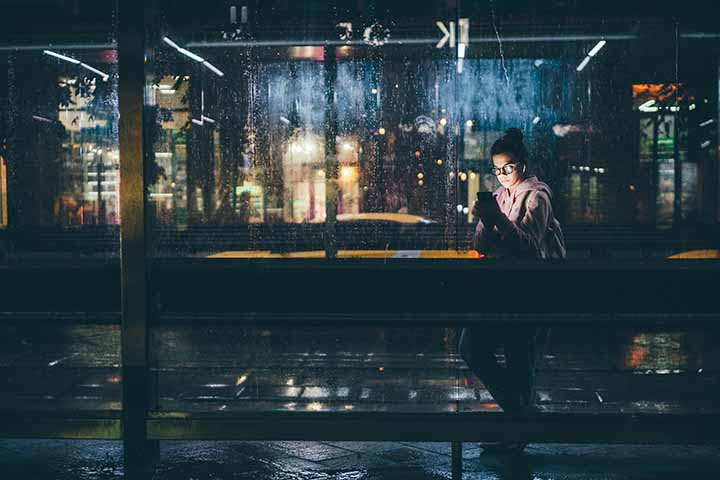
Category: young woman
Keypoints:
(518, 224)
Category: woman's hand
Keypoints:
(488, 212)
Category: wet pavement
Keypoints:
(96, 460)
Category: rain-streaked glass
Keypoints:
(296, 132)
(47, 367)
(59, 204)
(59, 152)
(240, 164)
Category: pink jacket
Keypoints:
(529, 229)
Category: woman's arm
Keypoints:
(525, 236)
(485, 238)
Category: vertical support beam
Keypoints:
(3, 193)
(138, 453)
(331, 165)
(456, 458)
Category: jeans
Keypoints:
(510, 385)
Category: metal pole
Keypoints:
(456, 460)
(331, 166)
(138, 452)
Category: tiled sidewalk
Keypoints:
(65, 460)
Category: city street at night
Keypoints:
(359, 240)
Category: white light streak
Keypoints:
(191, 55)
(597, 48)
(213, 68)
(583, 64)
(42, 119)
(171, 43)
(61, 57)
(707, 122)
(194, 56)
(104, 75)
(648, 106)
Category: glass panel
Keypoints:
(698, 127)
(279, 144)
(225, 368)
(386, 117)
(228, 369)
(627, 370)
(59, 167)
(59, 159)
(286, 131)
(60, 368)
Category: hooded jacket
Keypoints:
(528, 227)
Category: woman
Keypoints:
(519, 224)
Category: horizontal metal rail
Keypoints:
(464, 427)
(71, 425)
(610, 428)
(65, 318)
(685, 321)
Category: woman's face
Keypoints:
(511, 180)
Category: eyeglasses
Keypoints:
(506, 169)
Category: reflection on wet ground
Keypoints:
(361, 369)
(60, 460)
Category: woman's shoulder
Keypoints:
(535, 188)
(536, 194)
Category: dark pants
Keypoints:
(509, 384)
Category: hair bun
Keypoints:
(514, 135)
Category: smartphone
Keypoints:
(485, 197)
